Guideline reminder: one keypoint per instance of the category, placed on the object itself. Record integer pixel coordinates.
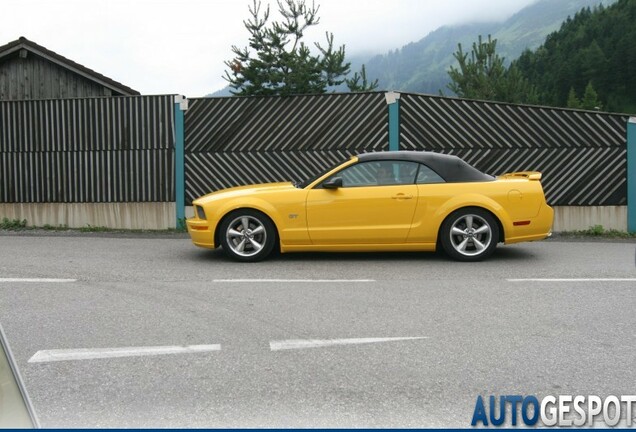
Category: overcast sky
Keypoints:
(171, 46)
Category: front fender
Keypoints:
(253, 203)
(287, 212)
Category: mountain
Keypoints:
(422, 66)
(225, 91)
(591, 58)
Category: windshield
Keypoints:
(304, 184)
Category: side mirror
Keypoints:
(333, 183)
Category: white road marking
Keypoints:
(573, 280)
(101, 353)
(291, 280)
(316, 343)
(36, 280)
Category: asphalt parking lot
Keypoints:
(149, 331)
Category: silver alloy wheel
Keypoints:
(246, 236)
(470, 235)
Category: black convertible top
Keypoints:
(449, 167)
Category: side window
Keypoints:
(362, 174)
(378, 173)
(405, 172)
(426, 175)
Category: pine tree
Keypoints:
(590, 99)
(278, 62)
(360, 82)
(573, 100)
(483, 75)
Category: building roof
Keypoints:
(23, 43)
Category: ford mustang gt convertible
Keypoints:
(384, 201)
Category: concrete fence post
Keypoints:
(631, 175)
(180, 106)
(393, 101)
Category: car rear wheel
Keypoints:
(247, 235)
(469, 234)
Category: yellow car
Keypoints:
(384, 201)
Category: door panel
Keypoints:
(361, 215)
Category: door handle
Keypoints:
(402, 196)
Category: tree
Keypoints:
(278, 62)
(596, 45)
(516, 88)
(477, 76)
(359, 82)
(483, 75)
(590, 99)
(573, 100)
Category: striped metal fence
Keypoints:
(237, 141)
(582, 154)
(93, 150)
(121, 149)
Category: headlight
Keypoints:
(200, 212)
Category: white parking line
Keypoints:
(292, 280)
(316, 343)
(36, 280)
(101, 353)
(573, 280)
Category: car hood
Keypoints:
(245, 190)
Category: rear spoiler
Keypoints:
(530, 175)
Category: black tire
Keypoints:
(247, 245)
(469, 234)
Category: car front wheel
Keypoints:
(469, 234)
(247, 235)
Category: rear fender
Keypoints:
(475, 200)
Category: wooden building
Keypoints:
(30, 71)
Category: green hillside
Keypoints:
(422, 66)
(595, 48)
